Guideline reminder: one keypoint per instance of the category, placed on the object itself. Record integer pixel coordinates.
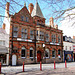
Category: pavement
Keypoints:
(34, 69)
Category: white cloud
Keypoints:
(66, 25)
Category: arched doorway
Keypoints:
(38, 56)
(14, 60)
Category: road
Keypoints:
(35, 68)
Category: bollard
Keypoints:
(54, 65)
(0, 67)
(40, 66)
(65, 64)
(23, 66)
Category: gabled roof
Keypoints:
(37, 11)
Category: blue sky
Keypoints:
(47, 9)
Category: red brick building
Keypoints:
(31, 41)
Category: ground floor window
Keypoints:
(59, 53)
(31, 52)
(53, 53)
(3, 58)
(23, 52)
(47, 53)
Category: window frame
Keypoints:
(25, 52)
(47, 52)
(31, 49)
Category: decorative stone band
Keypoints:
(19, 39)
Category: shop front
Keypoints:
(68, 56)
(4, 56)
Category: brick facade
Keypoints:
(36, 24)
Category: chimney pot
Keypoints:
(31, 6)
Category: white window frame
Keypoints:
(47, 50)
(33, 52)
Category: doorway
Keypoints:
(13, 60)
(38, 56)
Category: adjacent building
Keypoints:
(67, 48)
(4, 47)
(31, 40)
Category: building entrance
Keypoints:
(38, 56)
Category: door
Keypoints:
(38, 56)
(14, 60)
(74, 57)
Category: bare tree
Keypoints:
(61, 9)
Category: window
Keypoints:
(47, 38)
(53, 53)
(31, 52)
(23, 52)
(37, 34)
(53, 38)
(47, 53)
(3, 42)
(59, 40)
(31, 34)
(24, 33)
(41, 35)
(0, 42)
(70, 48)
(15, 31)
(22, 18)
(59, 53)
(27, 19)
(66, 48)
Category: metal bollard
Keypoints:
(65, 64)
(23, 66)
(54, 65)
(0, 67)
(40, 66)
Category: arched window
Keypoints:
(47, 53)
(53, 53)
(31, 52)
(59, 53)
(23, 52)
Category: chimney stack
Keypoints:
(31, 6)
(3, 26)
(7, 9)
(51, 20)
(56, 26)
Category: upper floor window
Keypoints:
(31, 34)
(27, 19)
(31, 52)
(70, 48)
(53, 38)
(24, 33)
(2, 42)
(47, 53)
(37, 33)
(53, 53)
(15, 31)
(66, 48)
(22, 18)
(41, 35)
(47, 37)
(23, 52)
(59, 39)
